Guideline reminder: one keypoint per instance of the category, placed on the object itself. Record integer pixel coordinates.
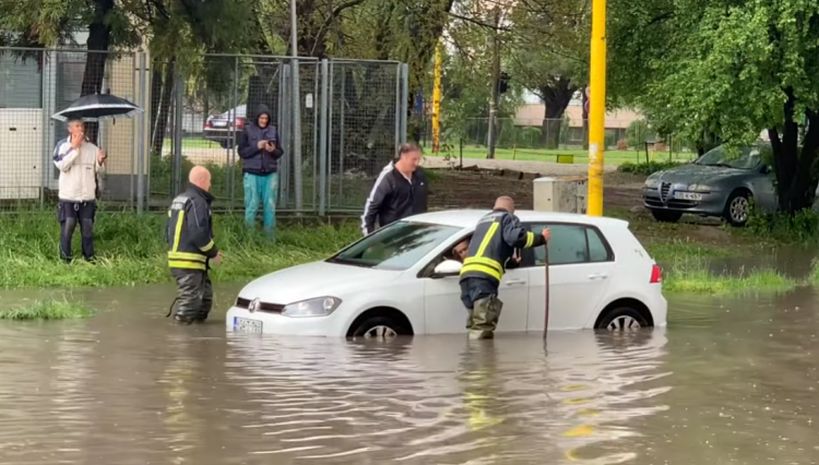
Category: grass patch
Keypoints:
(54, 309)
(131, 250)
(611, 157)
(701, 281)
(646, 168)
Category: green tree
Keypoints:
(727, 69)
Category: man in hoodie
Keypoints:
(260, 152)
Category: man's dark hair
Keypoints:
(407, 148)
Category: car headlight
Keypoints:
(319, 306)
(700, 188)
(652, 183)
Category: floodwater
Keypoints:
(730, 381)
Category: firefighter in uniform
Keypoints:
(496, 237)
(191, 248)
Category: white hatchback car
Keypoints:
(399, 280)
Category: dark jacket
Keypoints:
(189, 231)
(496, 237)
(255, 160)
(393, 197)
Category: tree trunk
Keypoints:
(796, 181)
(161, 122)
(556, 98)
(99, 36)
(495, 79)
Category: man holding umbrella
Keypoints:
(78, 161)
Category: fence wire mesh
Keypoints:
(351, 121)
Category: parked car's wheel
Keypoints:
(623, 319)
(666, 216)
(379, 327)
(738, 208)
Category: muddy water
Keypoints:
(730, 381)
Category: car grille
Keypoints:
(665, 188)
(671, 203)
(263, 306)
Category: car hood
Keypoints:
(697, 174)
(314, 279)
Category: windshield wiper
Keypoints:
(347, 261)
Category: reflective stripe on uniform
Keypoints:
(207, 246)
(477, 267)
(530, 239)
(184, 264)
(487, 239)
(180, 220)
(187, 256)
(485, 261)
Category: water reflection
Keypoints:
(731, 381)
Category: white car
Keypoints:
(399, 280)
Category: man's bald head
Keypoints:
(505, 202)
(200, 177)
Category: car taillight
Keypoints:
(656, 274)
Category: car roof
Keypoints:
(465, 218)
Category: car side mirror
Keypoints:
(447, 268)
(766, 169)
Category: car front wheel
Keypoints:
(738, 208)
(666, 216)
(379, 327)
(623, 319)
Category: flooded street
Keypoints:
(731, 381)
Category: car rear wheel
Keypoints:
(623, 319)
(738, 208)
(666, 216)
(379, 327)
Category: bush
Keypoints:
(646, 168)
(801, 227)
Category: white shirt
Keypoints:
(78, 169)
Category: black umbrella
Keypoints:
(94, 107)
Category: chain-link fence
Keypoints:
(351, 117)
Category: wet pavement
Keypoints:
(730, 381)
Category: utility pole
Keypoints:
(493, 102)
(436, 101)
(597, 108)
(296, 111)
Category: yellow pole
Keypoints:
(597, 108)
(436, 101)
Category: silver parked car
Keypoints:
(723, 183)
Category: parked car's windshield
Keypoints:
(395, 247)
(744, 158)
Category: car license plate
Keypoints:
(219, 124)
(247, 325)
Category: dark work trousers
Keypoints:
(194, 295)
(69, 214)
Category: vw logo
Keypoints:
(254, 305)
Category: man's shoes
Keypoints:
(182, 320)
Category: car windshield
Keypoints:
(395, 247)
(744, 158)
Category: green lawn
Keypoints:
(193, 142)
(579, 156)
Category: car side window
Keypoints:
(570, 244)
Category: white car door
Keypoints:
(446, 314)
(581, 266)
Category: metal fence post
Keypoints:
(323, 139)
(296, 130)
(404, 99)
(398, 140)
(140, 130)
(177, 134)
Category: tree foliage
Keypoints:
(731, 69)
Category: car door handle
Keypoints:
(598, 276)
(515, 282)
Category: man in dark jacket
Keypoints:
(260, 151)
(399, 191)
(191, 248)
(496, 237)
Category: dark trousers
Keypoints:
(70, 214)
(194, 295)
